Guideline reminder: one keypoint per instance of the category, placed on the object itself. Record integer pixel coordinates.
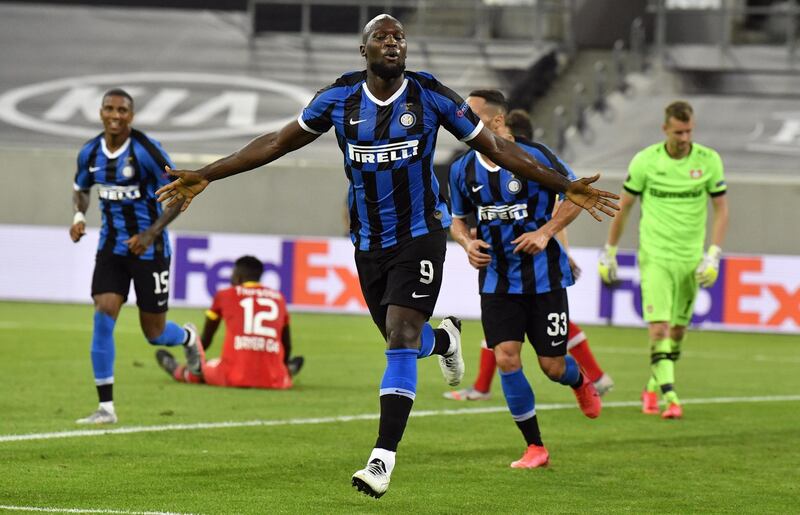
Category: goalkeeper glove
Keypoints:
(607, 265)
(708, 269)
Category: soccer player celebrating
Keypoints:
(524, 272)
(386, 120)
(127, 167)
(257, 336)
(675, 178)
(518, 127)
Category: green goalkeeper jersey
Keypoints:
(674, 199)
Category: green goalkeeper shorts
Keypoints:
(668, 289)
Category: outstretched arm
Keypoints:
(80, 203)
(508, 155)
(260, 151)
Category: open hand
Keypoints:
(188, 185)
(583, 195)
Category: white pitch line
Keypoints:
(86, 510)
(369, 416)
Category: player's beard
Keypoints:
(387, 71)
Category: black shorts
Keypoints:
(408, 274)
(113, 274)
(543, 317)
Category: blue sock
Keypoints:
(571, 372)
(400, 376)
(519, 395)
(173, 335)
(427, 339)
(103, 349)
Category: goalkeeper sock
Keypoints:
(663, 369)
(652, 384)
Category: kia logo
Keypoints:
(170, 106)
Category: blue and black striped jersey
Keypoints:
(126, 180)
(388, 152)
(506, 207)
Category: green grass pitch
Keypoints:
(734, 457)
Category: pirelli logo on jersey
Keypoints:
(117, 193)
(507, 213)
(382, 153)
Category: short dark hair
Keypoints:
(680, 110)
(491, 96)
(519, 123)
(370, 26)
(249, 268)
(118, 92)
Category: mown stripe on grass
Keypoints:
(368, 416)
(48, 509)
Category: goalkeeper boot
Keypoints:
(674, 410)
(372, 480)
(452, 363)
(588, 398)
(101, 416)
(468, 394)
(604, 385)
(649, 403)
(193, 350)
(535, 456)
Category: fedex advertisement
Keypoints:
(753, 293)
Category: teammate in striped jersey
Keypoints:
(518, 125)
(524, 271)
(127, 167)
(386, 121)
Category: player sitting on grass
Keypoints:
(257, 338)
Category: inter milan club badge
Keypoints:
(407, 119)
(514, 186)
(127, 171)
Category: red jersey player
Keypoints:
(257, 338)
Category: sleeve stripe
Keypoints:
(718, 193)
(305, 126)
(212, 315)
(631, 190)
(79, 188)
(457, 215)
(478, 128)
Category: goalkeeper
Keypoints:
(674, 179)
